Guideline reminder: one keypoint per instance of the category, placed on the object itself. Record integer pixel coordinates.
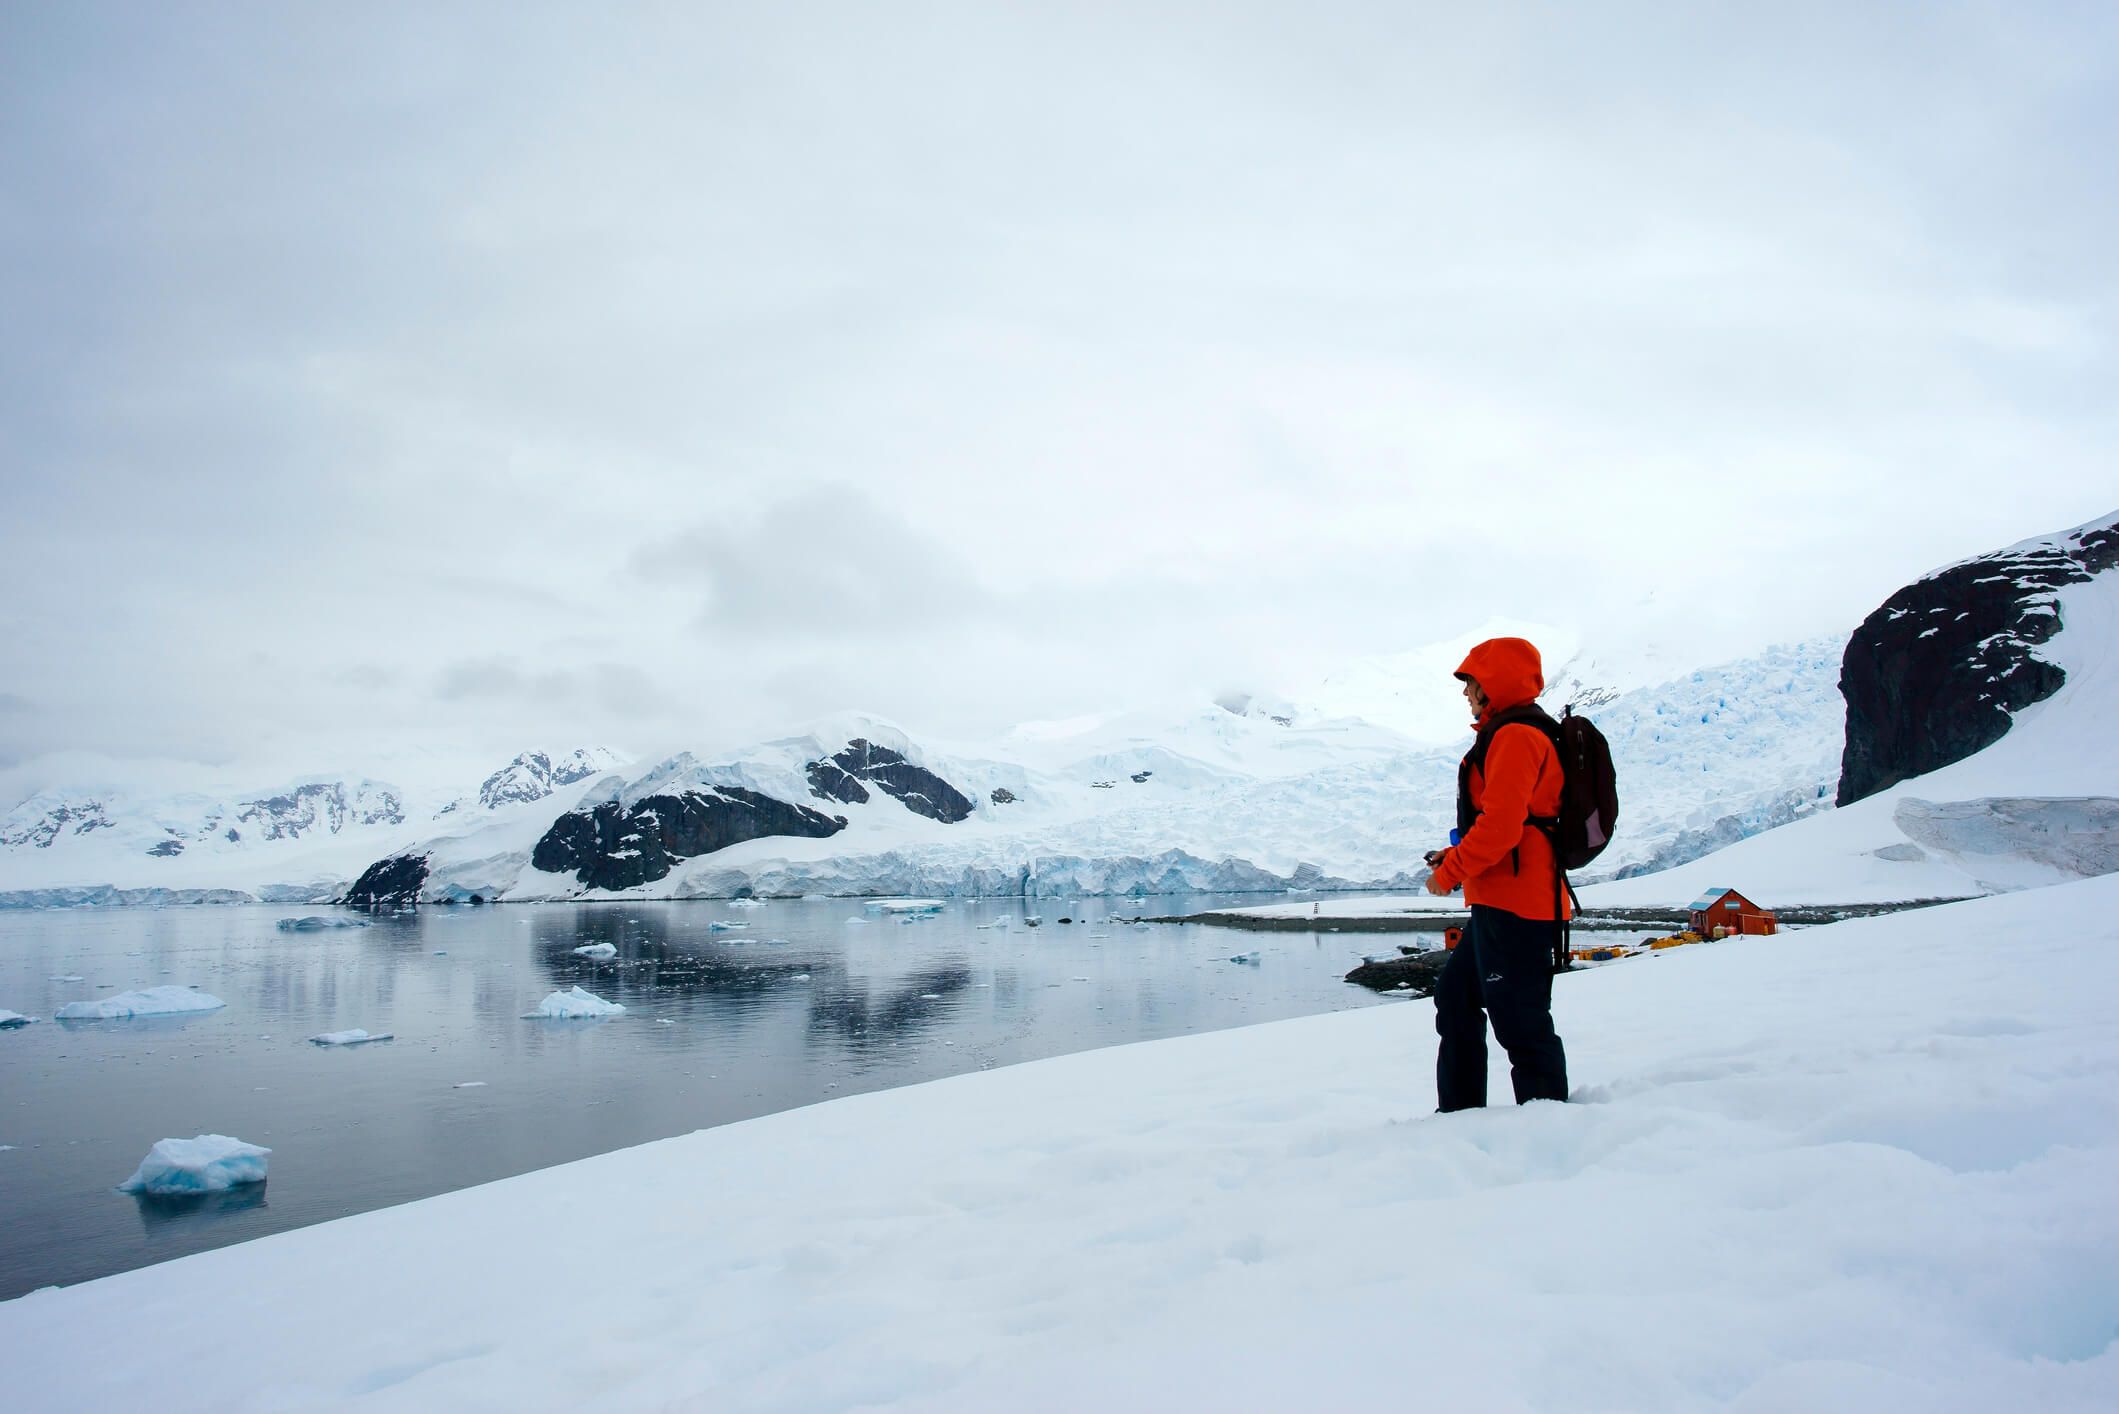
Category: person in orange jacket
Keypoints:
(1503, 968)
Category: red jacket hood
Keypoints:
(1508, 671)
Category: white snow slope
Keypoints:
(2038, 806)
(1859, 1167)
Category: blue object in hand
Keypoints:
(1456, 837)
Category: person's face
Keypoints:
(1473, 697)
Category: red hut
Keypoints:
(1726, 913)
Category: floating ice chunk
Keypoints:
(206, 1164)
(723, 925)
(317, 923)
(70, 977)
(467, 1085)
(799, 977)
(905, 905)
(11, 1019)
(355, 1037)
(597, 950)
(574, 1003)
(1248, 959)
(857, 922)
(746, 903)
(149, 1001)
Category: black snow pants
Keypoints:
(1502, 969)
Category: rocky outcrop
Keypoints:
(534, 775)
(612, 847)
(1939, 671)
(920, 790)
(389, 884)
(31, 826)
(1416, 972)
(320, 806)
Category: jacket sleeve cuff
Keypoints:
(1446, 871)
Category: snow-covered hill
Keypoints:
(2039, 805)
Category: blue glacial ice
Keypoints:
(207, 1164)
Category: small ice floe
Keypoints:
(1032, 921)
(355, 1037)
(664, 1021)
(9, 1020)
(467, 1085)
(597, 950)
(857, 922)
(799, 977)
(207, 1164)
(1248, 959)
(905, 905)
(317, 923)
(573, 1003)
(930, 996)
(746, 903)
(723, 925)
(776, 942)
(441, 952)
(149, 1001)
(70, 977)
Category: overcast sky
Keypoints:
(372, 374)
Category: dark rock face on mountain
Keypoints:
(920, 790)
(610, 847)
(389, 884)
(1939, 671)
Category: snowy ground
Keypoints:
(1863, 1166)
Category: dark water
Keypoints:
(803, 1005)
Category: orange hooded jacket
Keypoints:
(1502, 862)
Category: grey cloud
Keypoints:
(831, 563)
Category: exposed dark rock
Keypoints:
(610, 847)
(1003, 796)
(920, 790)
(234, 836)
(831, 781)
(1416, 972)
(1939, 671)
(389, 884)
(167, 849)
(1140, 778)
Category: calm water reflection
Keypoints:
(795, 1002)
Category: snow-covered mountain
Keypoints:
(1979, 746)
(297, 839)
(1217, 797)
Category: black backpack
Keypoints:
(1589, 796)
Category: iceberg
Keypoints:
(317, 923)
(906, 905)
(574, 1002)
(597, 950)
(207, 1164)
(722, 925)
(149, 1001)
(11, 1019)
(355, 1037)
